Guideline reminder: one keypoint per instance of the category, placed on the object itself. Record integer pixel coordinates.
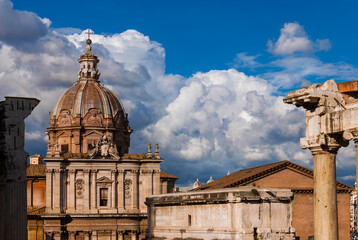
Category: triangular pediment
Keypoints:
(64, 134)
(94, 133)
(104, 179)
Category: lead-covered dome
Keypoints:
(86, 112)
(86, 95)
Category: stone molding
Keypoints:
(146, 171)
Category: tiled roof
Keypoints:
(36, 170)
(246, 176)
(167, 175)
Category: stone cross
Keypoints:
(331, 121)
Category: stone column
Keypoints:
(71, 190)
(57, 235)
(93, 189)
(71, 235)
(134, 235)
(86, 199)
(120, 191)
(135, 189)
(56, 190)
(94, 235)
(325, 190)
(120, 235)
(114, 235)
(156, 182)
(87, 235)
(49, 205)
(114, 190)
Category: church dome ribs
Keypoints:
(84, 107)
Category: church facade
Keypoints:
(95, 189)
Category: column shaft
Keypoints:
(120, 192)
(325, 196)
(71, 191)
(93, 190)
(86, 190)
(49, 205)
(135, 189)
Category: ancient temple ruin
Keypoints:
(331, 121)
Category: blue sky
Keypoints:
(205, 79)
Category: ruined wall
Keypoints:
(241, 213)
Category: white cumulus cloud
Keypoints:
(228, 116)
(293, 38)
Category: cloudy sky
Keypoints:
(204, 79)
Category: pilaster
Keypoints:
(120, 234)
(114, 188)
(156, 182)
(135, 193)
(71, 235)
(120, 191)
(49, 202)
(93, 189)
(86, 189)
(87, 235)
(57, 190)
(71, 190)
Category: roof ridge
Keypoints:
(267, 170)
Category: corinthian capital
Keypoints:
(323, 143)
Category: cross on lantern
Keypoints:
(89, 32)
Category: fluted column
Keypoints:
(325, 190)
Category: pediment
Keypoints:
(64, 134)
(93, 133)
(104, 180)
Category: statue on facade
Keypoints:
(104, 148)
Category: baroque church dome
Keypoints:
(84, 96)
(86, 112)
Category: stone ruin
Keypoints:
(331, 122)
(13, 202)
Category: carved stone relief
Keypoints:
(93, 118)
(80, 188)
(65, 118)
(104, 148)
(128, 188)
